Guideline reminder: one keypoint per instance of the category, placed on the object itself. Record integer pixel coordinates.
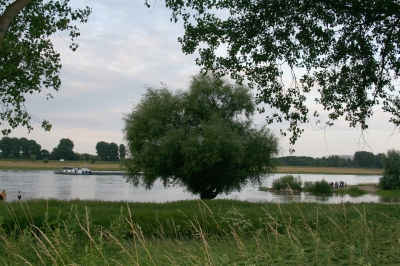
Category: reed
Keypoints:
(222, 232)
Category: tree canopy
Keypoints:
(64, 150)
(28, 61)
(391, 174)
(201, 139)
(343, 54)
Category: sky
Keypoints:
(125, 47)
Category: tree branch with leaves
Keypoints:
(344, 51)
(28, 61)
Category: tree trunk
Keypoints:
(209, 193)
(9, 14)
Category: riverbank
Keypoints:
(116, 166)
(328, 170)
(217, 232)
(57, 165)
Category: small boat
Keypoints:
(74, 171)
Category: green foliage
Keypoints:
(391, 175)
(201, 139)
(64, 150)
(287, 181)
(33, 158)
(380, 160)
(364, 159)
(92, 159)
(103, 149)
(346, 51)
(46, 160)
(113, 152)
(330, 161)
(28, 60)
(317, 187)
(15, 146)
(122, 151)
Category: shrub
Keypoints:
(318, 186)
(391, 174)
(33, 158)
(46, 160)
(92, 159)
(287, 181)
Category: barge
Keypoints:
(85, 171)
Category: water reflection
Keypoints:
(46, 184)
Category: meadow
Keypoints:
(216, 232)
(6, 164)
(57, 165)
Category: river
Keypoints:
(45, 184)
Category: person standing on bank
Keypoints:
(3, 195)
(19, 195)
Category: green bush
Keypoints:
(391, 174)
(46, 160)
(287, 181)
(33, 158)
(92, 159)
(317, 186)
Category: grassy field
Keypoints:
(328, 170)
(217, 232)
(115, 166)
(57, 165)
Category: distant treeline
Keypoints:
(362, 159)
(15, 148)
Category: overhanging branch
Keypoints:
(9, 14)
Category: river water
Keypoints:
(46, 184)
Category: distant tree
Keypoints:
(102, 149)
(15, 148)
(379, 160)
(85, 156)
(113, 152)
(5, 146)
(34, 148)
(364, 159)
(391, 175)
(201, 139)
(92, 159)
(122, 151)
(65, 149)
(323, 163)
(55, 154)
(44, 154)
(24, 143)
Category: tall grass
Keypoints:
(222, 232)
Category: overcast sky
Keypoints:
(125, 47)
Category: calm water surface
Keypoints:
(46, 184)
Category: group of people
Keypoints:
(337, 185)
(3, 195)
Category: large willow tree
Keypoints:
(201, 139)
(343, 54)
